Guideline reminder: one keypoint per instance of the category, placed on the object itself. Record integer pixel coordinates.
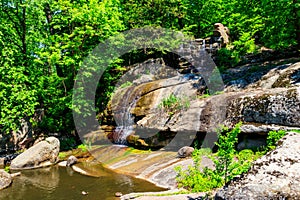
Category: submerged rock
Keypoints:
(273, 176)
(5, 179)
(42, 154)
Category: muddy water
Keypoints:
(60, 183)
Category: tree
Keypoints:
(43, 44)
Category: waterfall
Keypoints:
(123, 116)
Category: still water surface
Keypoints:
(60, 183)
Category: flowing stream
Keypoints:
(124, 118)
(60, 183)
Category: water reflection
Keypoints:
(60, 183)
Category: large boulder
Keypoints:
(273, 176)
(42, 154)
(5, 179)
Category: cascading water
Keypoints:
(124, 118)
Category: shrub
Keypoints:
(228, 164)
(193, 178)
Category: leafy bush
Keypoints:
(228, 164)
(193, 178)
(67, 143)
(226, 150)
(226, 59)
(85, 146)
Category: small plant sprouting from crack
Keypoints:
(173, 104)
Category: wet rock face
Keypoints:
(42, 154)
(273, 176)
(5, 179)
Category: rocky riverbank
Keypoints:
(263, 98)
(273, 176)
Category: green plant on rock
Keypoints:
(126, 84)
(296, 131)
(62, 155)
(193, 178)
(173, 104)
(85, 146)
(7, 169)
(273, 137)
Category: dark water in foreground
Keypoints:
(61, 183)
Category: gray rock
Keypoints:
(262, 129)
(269, 101)
(5, 179)
(273, 176)
(278, 106)
(42, 154)
(71, 161)
(185, 152)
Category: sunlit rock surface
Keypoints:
(42, 154)
(5, 179)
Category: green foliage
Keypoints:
(193, 178)
(43, 44)
(228, 164)
(67, 143)
(62, 155)
(7, 169)
(273, 137)
(85, 146)
(173, 104)
(297, 131)
(205, 95)
(126, 84)
(225, 163)
(226, 58)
